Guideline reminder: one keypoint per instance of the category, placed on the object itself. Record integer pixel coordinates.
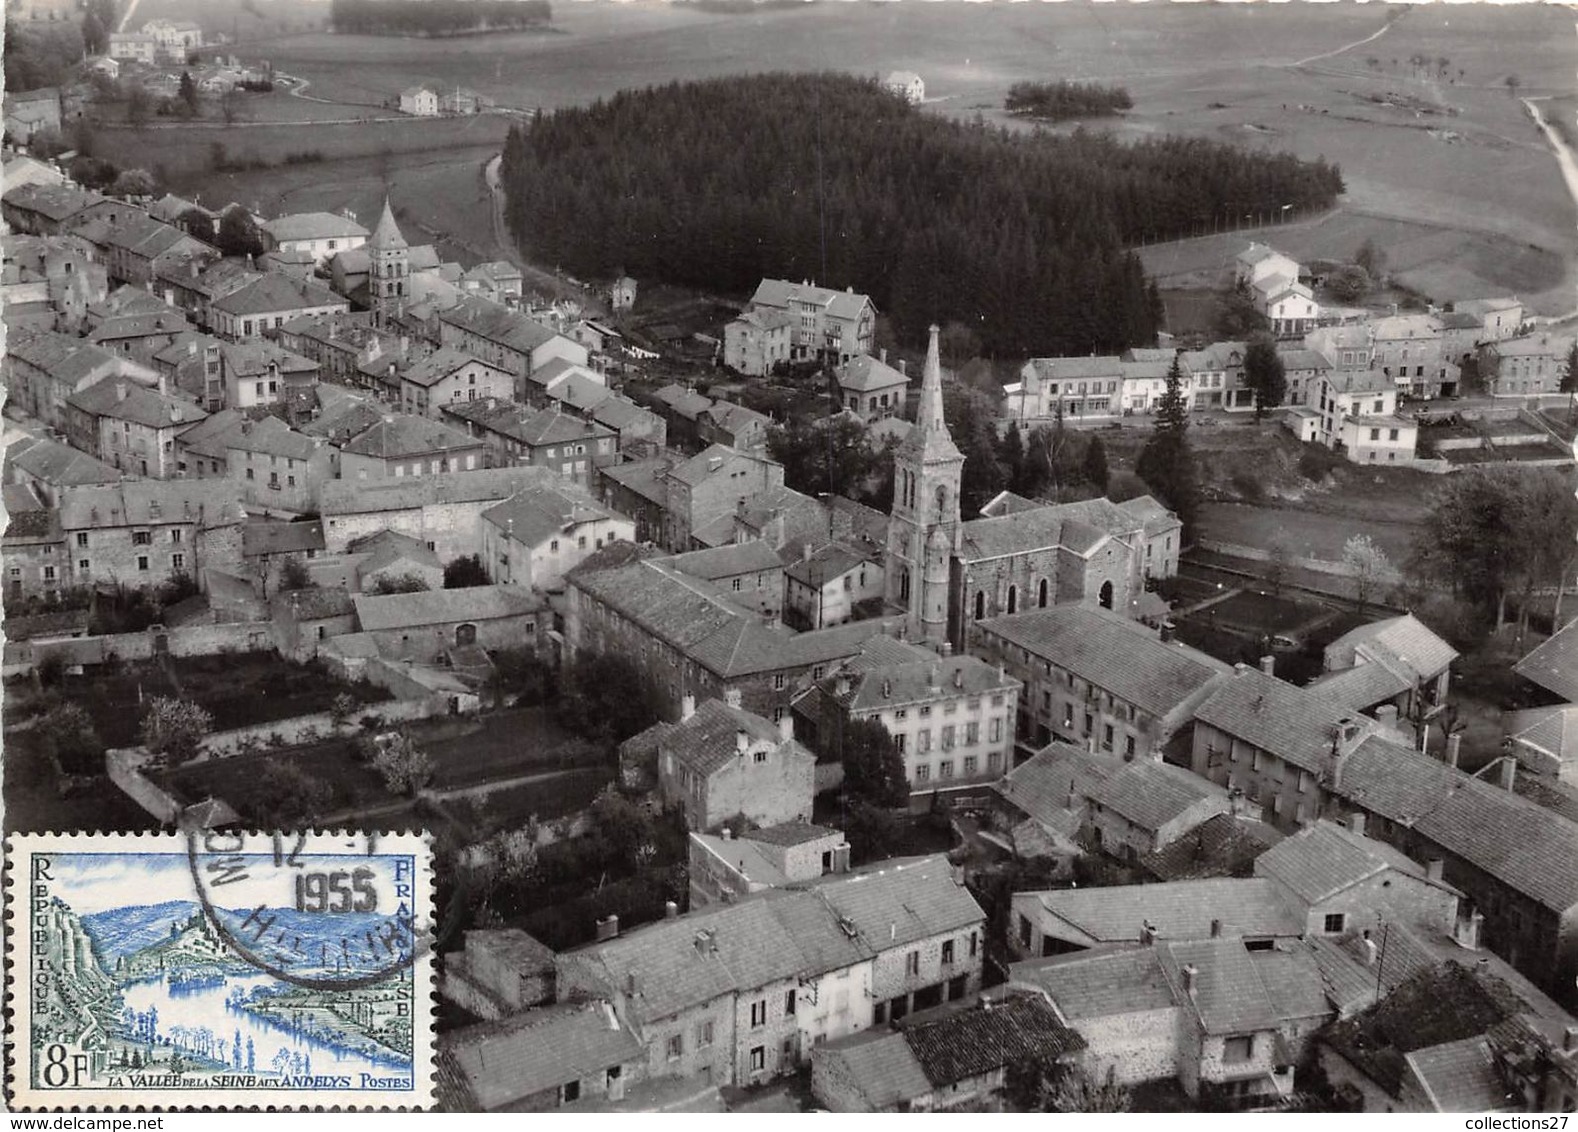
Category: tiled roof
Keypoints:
(1041, 786)
(440, 364)
(121, 400)
(33, 527)
(898, 902)
(889, 673)
(580, 392)
(1223, 846)
(708, 741)
(1120, 656)
(58, 464)
(554, 426)
(879, 1064)
(555, 371)
(1324, 859)
(618, 412)
(497, 323)
(790, 833)
(57, 202)
(1360, 381)
(249, 359)
(988, 1036)
(1251, 906)
(389, 548)
(1295, 724)
(1524, 845)
(1553, 664)
(1402, 642)
(700, 466)
(734, 419)
(276, 292)
(863, 374)
(1045, 528)
(141, 503)
(1462, 1076)
(643, 477)
(751, 556)
(1151, 794)
(442, 607)
(827, 564)
(781, 294)
(312, 226)
(229, 430)
(1553, 730)
(1100, 983)
(1534, 346)
(506, 1062)
(62, 357)
(399, 436)
(1074, 368)
(684, 400)
(1361, 687)
(263, 538)
(1302, 359)
(1229, 995)
(538, 514)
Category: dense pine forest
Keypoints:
(435, 17)
(1024, 239)
(1060, 101)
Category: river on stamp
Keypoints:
(203, 1007)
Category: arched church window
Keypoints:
(904, 585)
(942, 502)
(1013, 599)
(1106, 595)
(1041, 594)
(980, 605)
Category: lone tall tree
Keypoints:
(1166, 463)
(1094, 465)
(1569, 383)
(1264, 373)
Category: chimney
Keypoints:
(947, 648)
(904, 368)
(120, 391)
(1216, 929)
(1507, 772)
(1147, 933)
(1454, 742)
(731, 696)
(670, 910)
(687, 706)
(1434, 869)
(1355, 823)
(1190, 974)
(882, 355)
(164, 386)
(727, 834)
(607, 928)
(1466, 931)
(805, 552)
(1168, 630)
(1386, 715)
(934, 679)
(786, 728)
(742, 741)
(1370, 950)
(1268, 665)
(632, 988)
(841, 858)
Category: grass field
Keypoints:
(1305, 534)
(501, 745)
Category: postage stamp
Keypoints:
(219, 969)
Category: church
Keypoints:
(944, 572)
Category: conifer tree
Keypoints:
(1094, 465)
(1265, 374)
(1166, 463)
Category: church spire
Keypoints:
(930, 440)
(387, 234)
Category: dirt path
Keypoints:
(1565, 159)
(1345, 47)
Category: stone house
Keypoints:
(827, 586)
(556, 1056)
(129, 427)
(1519, 367)
(447, 377)
(47, 466)
(637, 488)
(1544, 741)
(907, 85)
(139, 336)
(43, 369)
(135, 246)
(1092, 676)
(1258, 261)
(429, 624)
(536, 536)
(28, 112)
(194, 283)
(950, 716)
(834, 326)
(35, 553)
(1071, 387)
(689, 640)
(256, 373)
(1499, 318)
(1302, 367)
(46, 209)
(734, 426)
(420, 101)
(711, 486)
(1289, 306)
(1415, 662)
(268, 303)
(389, 556)
(722, 761)
(681, 408)
(1144, 806)
(442, 512)
(548, 438)
(497, 281)
(750, 573)
(757, 341)
(59, 271)
(146, 532)
(505, 338)
(547, 382)
(870, 388)
(723, 868)
(402, 446)
(1412, 350)
(275, 468)
(267, 545)
(498, 973)
(320, 234)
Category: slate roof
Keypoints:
(1302, 359)
(643, 477)
(781, 294)
(1229, 997)
(1553, 664)
(790, 833)
(139, 406)
(1553, 730)
(1295, 724)
(230, 430)
(984, 1038)
(1360, 381)
(580, 392)
(683, 400)
(388, 548)
(1041, 785)
(538, 514)
(438, 365)
(399, 436)
(142, 503)
(1099, 983)
(312, 226)
(887, 673)
(506, 1062)
(275, 292)
(864, 374)
(827, 564)
(554, 426)
(1324, 859)
(1524, 845)
(1120, 656)
(1222, 846)
(64, 358)
(1461, 1076)
(1402, 642)
(734, 419)
(55, 202)
(1250, 906)
(707, 741)
(1075, 368)
(618, 412)
(58, 464)
(751, 556)
(1361, 687)
(1045, 528)
(1151, 794)
(443, 607)
(263, 538)
(879, 1064)
(497, 323)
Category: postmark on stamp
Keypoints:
(219, 969)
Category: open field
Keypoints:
(495, 746)
(1305, 534)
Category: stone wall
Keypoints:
(187, 640)
(1142, 1046)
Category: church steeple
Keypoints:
(388, 267)
(923, 536)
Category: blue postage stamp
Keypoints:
(219, 969)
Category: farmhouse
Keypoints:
(907, 85)
(31, 111)
(419, 100)
(831, 325)
(429, 624)
(320, 234)
(536, 536)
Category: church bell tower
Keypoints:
(388, 269)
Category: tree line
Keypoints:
(436, 17)
(1062, 100)
(1023, 239)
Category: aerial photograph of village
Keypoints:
(905, 557)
